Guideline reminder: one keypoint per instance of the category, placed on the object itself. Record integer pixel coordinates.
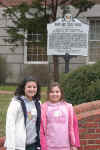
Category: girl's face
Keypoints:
(30, 89)
(55, 94)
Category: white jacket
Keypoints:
(15, 127)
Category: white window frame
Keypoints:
(88, 61)
(25, 54)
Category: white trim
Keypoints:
(35, 62)
(91, 62)
(25, 49)
(25, 54)
(91, 40)
(94, 40)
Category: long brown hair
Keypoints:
(54, 84)
(20, 90)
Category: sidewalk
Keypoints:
(6, 92)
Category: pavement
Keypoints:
(6, 92)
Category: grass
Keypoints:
(8, 87)
(5, 100)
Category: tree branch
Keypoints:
(68, 2)
(55, 11)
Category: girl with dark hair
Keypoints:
(59, 126)
(23, 117)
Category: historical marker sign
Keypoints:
(67, 35)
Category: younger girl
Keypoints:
(59, 127)
(23, 117)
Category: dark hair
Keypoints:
(20, 90)
(53, 84)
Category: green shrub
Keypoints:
(82, 85)
(3, 70)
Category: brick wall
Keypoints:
(88, 115)
(89, 125)
(2, 143)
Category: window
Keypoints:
(94, 29)
(94, 40)
(35, 48)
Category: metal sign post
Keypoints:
(67, 59)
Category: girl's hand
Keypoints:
(74, 148)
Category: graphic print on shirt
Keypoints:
(31, 122)
(57, 120)
(57, 115)
(31, 114)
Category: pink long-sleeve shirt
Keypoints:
(59, 126)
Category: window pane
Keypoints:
(92, 29)
(94, 51)
(98, 29)
(36, 48)
(94, 41)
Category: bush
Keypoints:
(82, 85)
(3, 70)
